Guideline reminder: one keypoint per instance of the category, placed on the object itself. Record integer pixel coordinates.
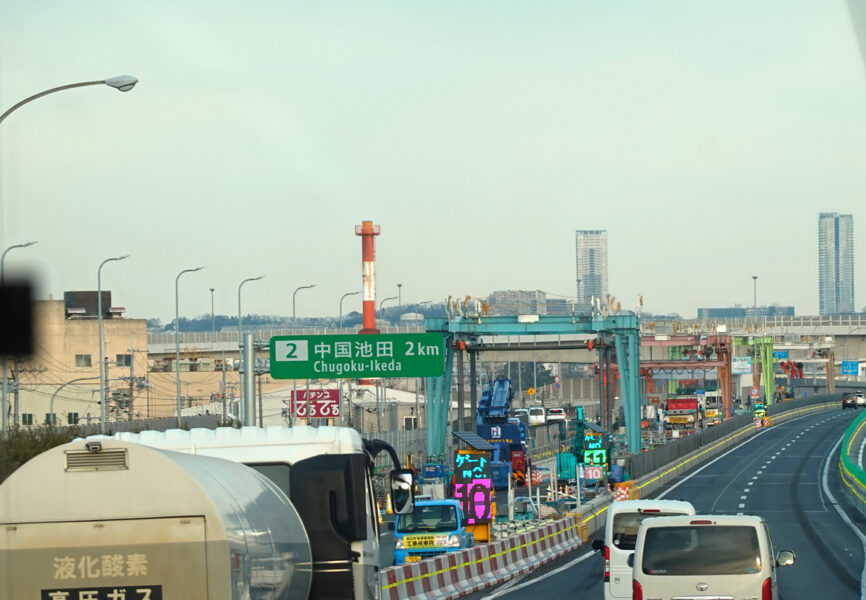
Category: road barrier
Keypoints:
(459, 573)
(853, 476)
(592, 516)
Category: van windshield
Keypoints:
(428, 518)
(626, 524)
(701, 550)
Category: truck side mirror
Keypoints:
(402, 492)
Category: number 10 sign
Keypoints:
(316, 404)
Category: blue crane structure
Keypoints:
(620, 331)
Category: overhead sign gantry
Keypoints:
(622, 331)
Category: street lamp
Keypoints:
(303, 287)
(212, 321)
(177, 335)
(341, 304)
(5, 398)
(382, 303)
(103, 405)
(755, 286)
(124, 83)
(241, 334)
(400, 295)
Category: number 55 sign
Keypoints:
(316, 404)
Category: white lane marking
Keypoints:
(759, 472)
(751, 483)
(503, 590)
(854, 528)
(719, 457)
(741, 506)
(743, 497)
(754, 478)
(739, 514)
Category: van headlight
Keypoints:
(453, 541)
(398, 544)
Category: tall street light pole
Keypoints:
(177, 335)
(5, 399)
(103, 404)
(382, 303)
(241, 337)
(212, 321)
(124, 83)
(303, 287)
(755, 288)
(400, 295)
(341, 304)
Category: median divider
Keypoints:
(457, 574)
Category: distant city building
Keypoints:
(559, 306)
(518, 302)
(591, 261)
(740, 312)
(835, 264)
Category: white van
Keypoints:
(620, 534)
(713, 556)
(537, 416)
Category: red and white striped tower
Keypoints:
(368, 233)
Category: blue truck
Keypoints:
(434, 527)
(507, 435)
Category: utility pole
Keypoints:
(16, 382)
(261, 416)
(131, 371)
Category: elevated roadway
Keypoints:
(789, 475)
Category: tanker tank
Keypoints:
(114, 519)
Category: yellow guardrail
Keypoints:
(852, 474)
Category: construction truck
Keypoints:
(682, 415)
(434, 527)
(507, 435)
(226, 514)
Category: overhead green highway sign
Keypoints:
(357, 356)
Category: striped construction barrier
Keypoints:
(456, 574)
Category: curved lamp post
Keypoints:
(103, 405)
(3, 405)
(241, 336)
(124, 83)
(177, 336)
(303, 287)
(382, 303)
(341, 304)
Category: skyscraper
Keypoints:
(835, 263)
(591, 259)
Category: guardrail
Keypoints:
(460, 573)
(853, 476)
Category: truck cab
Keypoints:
(434, 527)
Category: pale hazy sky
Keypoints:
(705, 137)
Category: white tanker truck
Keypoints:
(173, 515)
